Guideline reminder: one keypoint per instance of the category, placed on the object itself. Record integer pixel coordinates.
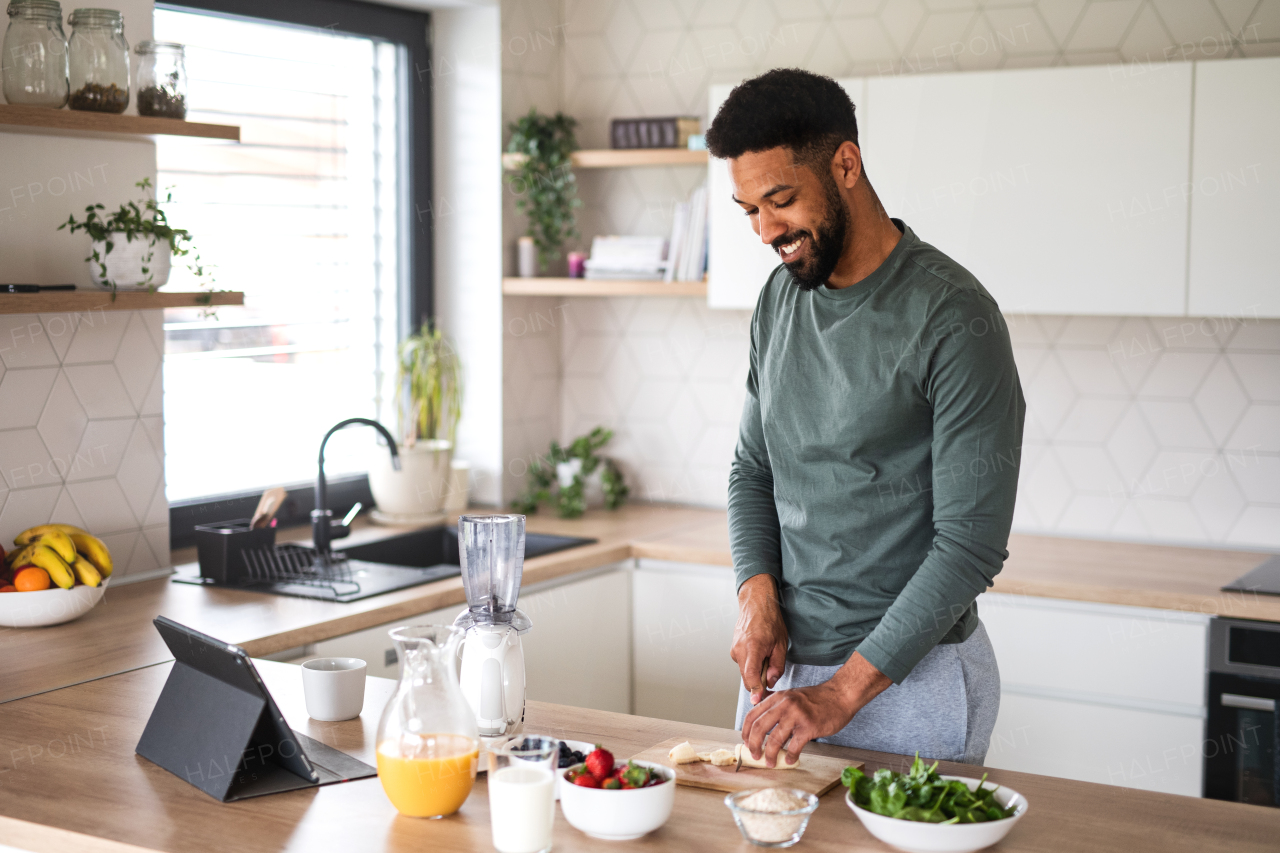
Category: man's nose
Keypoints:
(771, 228)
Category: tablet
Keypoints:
(217, 727)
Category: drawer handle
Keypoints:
(1252, 703)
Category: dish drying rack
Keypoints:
(300, 565)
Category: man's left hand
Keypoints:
(792, 718)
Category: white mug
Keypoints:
(334, 688)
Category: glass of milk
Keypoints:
(522, 794)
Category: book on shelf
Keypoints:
(687, 259)
(625, 258)
(669, 132)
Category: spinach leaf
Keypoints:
(922, 795)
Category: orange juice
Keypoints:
(435, 782)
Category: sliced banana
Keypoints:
(723, 758)
(683, 753)
(748, 761)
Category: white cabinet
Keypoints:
(683, 629)
(738, 262)
(1099, 693)
(577, 653)
(1235, 189)
(1059, 188)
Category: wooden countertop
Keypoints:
(117, 635)
(71, 780)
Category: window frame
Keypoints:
(416, 302)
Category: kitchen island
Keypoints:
(69, 780)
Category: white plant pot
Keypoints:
(126, 260)
(416, 493)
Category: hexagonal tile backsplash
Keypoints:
(1137, 428)
(81, 435)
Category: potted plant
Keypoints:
(544, 180)
(133, 248)
(429, 380)
(566, 474)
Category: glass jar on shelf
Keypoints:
(98, 60)
(162, 79)
(35, 54)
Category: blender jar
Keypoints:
(162, 79)
(35, 54)
(98, 59)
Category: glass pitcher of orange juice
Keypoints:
(428, 744)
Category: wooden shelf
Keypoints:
(16, 115)
(600, 287)
(610, 158)
(55, 301)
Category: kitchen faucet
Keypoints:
(323, 528)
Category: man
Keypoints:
(872, 490)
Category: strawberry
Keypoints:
(586, 780)
(600, 762)
(611, 783)
(635, 776)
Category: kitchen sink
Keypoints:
(434, 547)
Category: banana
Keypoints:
(94, 551)
(49, 560)
(19, 557)
(58, 541)
(27, 536)
(84, 570)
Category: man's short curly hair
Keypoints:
(785, 107)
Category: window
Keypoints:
(308, 215)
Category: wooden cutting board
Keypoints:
(816, 774)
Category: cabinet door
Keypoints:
(1096, 743)
(1059, 188)
(683, 628)
(738, 263)
(1235, 189)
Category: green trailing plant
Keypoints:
(139, 220)
(560, 477)
(430, 380)
(544, 181)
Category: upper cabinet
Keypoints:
(1059, 188)
(1235, 189)
(738, 263)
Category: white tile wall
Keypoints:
(81, 436)
(1138, 428)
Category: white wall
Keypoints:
(466, 87)
(1137, 428)
(81, 436)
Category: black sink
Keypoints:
(434, 547)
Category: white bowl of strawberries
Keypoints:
(616, 800)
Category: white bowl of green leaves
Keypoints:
(921, 811)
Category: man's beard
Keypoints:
(827, 244)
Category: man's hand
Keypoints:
(792, 718)
(760, 636)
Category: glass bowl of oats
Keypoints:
(772, 817)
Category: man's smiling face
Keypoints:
(801, 215)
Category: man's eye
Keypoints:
(786, 203)
(752, 212)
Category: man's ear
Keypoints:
(846, 165)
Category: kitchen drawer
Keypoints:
(1151, 658)
(683, 629)
(1095, 743)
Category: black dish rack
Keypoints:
(232, 554)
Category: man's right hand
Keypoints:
(760, 637)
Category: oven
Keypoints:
(1242, 744)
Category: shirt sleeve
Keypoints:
(755, 537)
(971, 382)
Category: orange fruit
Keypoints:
(31, 579)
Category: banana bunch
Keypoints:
(67, 553)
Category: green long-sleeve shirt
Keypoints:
(877, 459)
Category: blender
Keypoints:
(491, 548)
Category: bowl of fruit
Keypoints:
(616, 800)
(54, 573)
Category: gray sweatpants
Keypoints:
(946, 708)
